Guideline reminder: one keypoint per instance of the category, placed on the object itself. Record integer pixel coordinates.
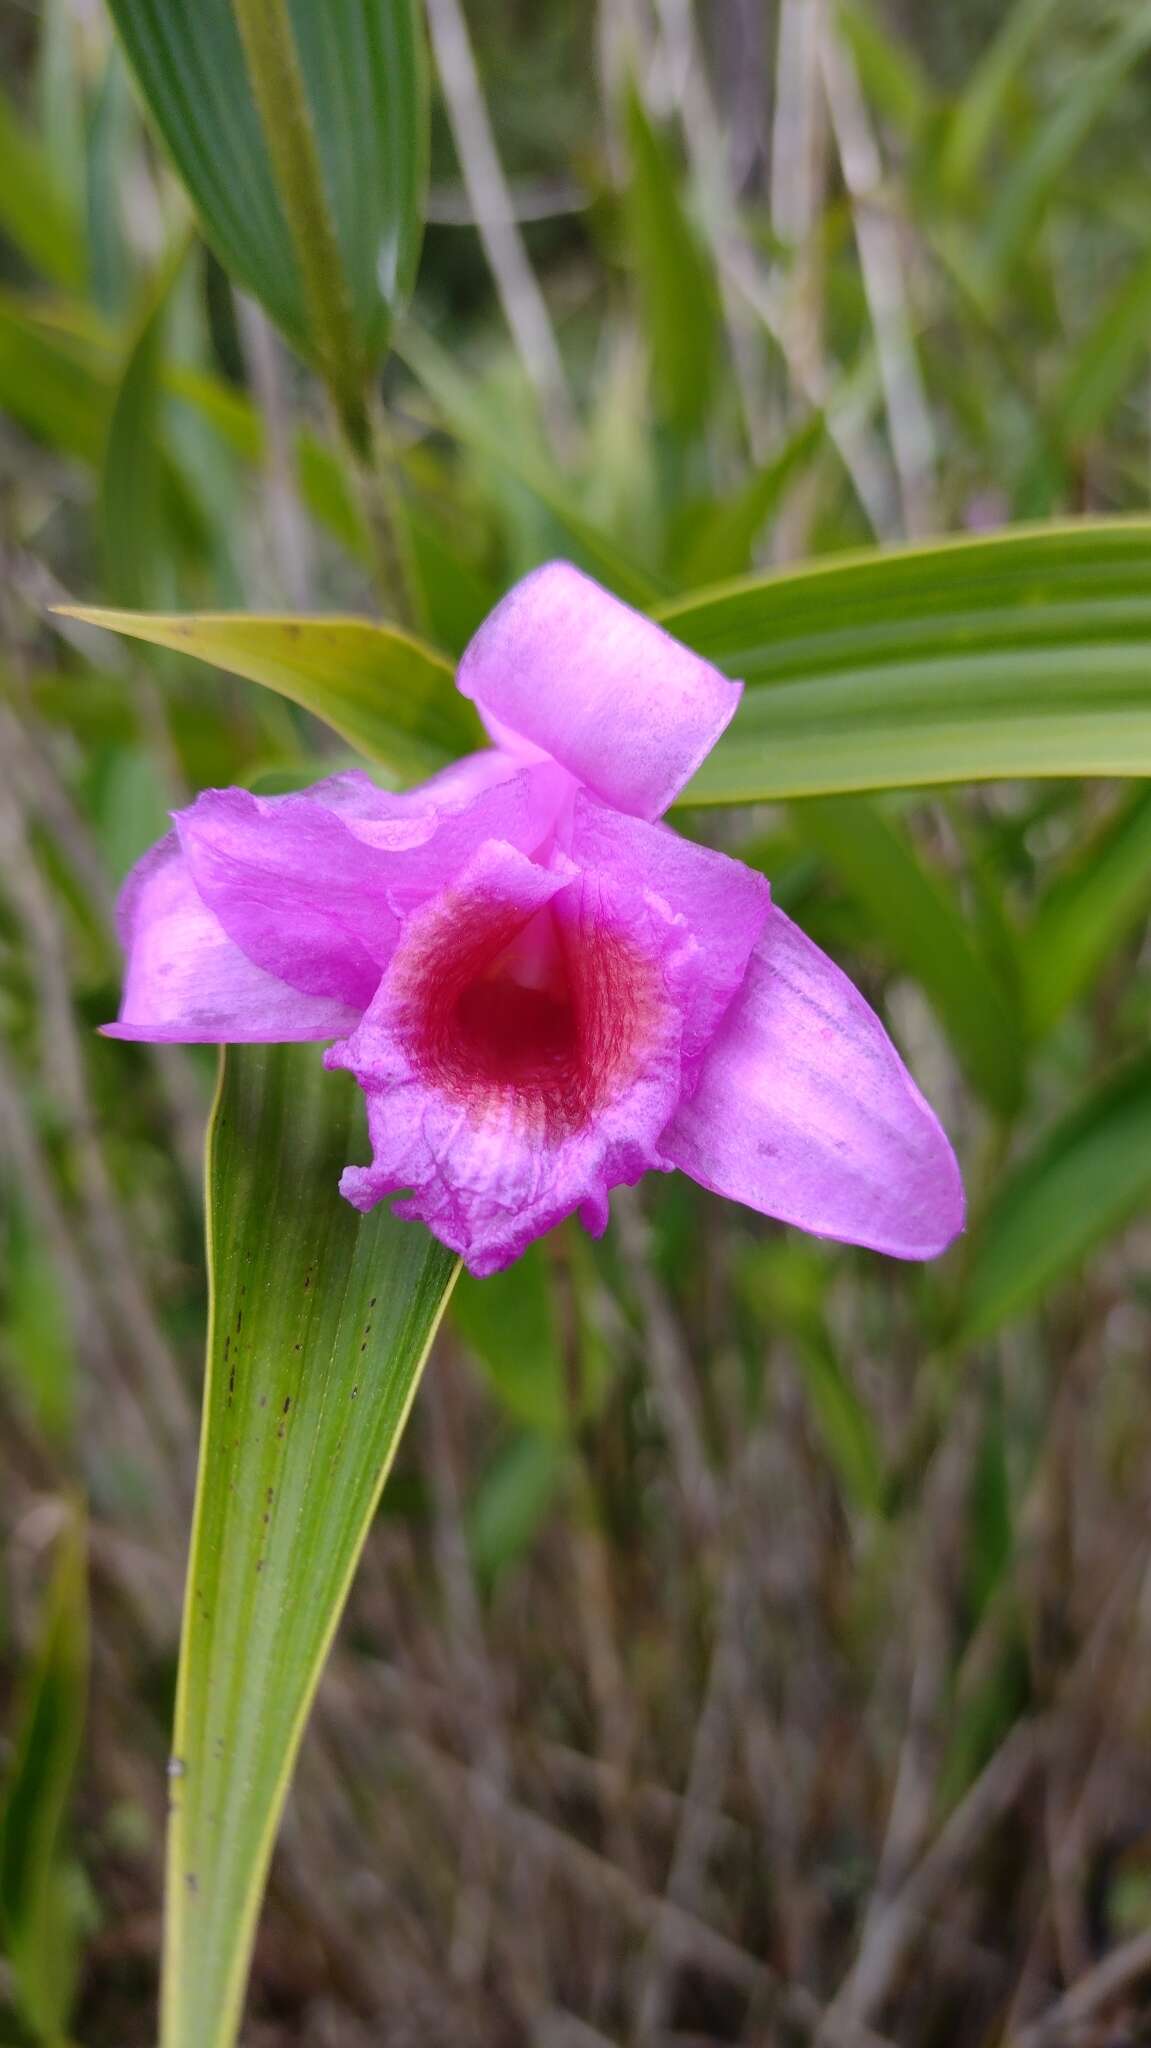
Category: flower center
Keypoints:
(558, 1019)
(512, 1035)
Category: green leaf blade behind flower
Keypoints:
(363, 70)
(1024, 653)
(321, 1321)
(1078, 1186)
(386, 693)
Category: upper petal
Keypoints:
(186, 981)
(806, 1112)
(624, 707)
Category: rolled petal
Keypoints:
(186, 981)
(625, 708)
(806, 1112)
(721, 906)
(309, 886)
(521, 1057)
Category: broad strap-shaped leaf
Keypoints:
(321, 1320)
(1025, 653)
(386, 693)
(1079, 1185)
(362, 67)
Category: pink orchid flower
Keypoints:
(543, 991)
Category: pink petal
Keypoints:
(625, 708)
(185, 980)
(806, 1112)
(521, 1057)
(309, 886)
(721, 906)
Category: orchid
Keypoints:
(543, 990)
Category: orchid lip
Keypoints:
(555, 1020)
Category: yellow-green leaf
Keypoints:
(390, 696)
(320, 1324)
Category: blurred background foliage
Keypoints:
(755, 1644)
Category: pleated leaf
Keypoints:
(320, 1323)
(361, 64)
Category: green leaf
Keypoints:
(1096, 375)
(1022, 195)
(132, 479)
(356, 155)
(48, 383)
(723, 542)
(889, 70)
(1078, 1186)
(475, 423)
(914, 914)
(38, 1351)
(676, 286)
(321, 1320)
(38, 1906)
(543, 1357)
(512, 1501)
(387, 694)
(510, 1323)
(323, 482)
(785, 1283)
(35, 214)
(979, 111)
(1100, 366)
(1086, 912)
(1025, 653)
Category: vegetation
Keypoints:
(751, 1644)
